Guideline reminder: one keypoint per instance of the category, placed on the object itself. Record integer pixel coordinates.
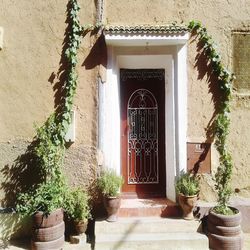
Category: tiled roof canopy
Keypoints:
(146, 29)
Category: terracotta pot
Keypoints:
(187, 204)
(81, 226)
(48, 231)
(112, 204)
(224, 231)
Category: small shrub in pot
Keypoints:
(187, 187)
(110, 183)
(78, 209)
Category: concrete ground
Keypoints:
(24, 245)
(247, 241)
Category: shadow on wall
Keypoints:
(13, 225)
(204, 67)
(24, 173)
(98, 53)
(19, 177)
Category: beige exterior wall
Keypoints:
(30, 62)
(34, 32)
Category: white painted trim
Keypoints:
(109, 116)
(175, 100)
(142, 40)
(181, 96)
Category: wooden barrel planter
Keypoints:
(224, 231)
(48, 231)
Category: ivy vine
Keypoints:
(71, 55)
(50, 138)
(222, 120)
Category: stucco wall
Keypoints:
(30, 63)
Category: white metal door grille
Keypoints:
(142, 117)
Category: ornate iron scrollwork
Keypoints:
(142, 117)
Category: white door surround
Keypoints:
(135, 52)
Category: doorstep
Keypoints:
(160, 207)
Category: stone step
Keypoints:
(160, 207)
(152, 233)
(152, 241)
(147, 225)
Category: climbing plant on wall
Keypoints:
(50, 138)
(222, 120)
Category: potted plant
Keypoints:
(77, 208)
(44, 200)
(223, 223)
(110, 183)
(187, 188)
(45, 204)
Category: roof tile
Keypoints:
(146, 29)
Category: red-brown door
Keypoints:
(143, 131)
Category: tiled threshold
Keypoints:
(160, 207)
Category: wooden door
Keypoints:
(143, 131)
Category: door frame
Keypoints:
(173, 60)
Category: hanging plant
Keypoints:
(222, 121)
